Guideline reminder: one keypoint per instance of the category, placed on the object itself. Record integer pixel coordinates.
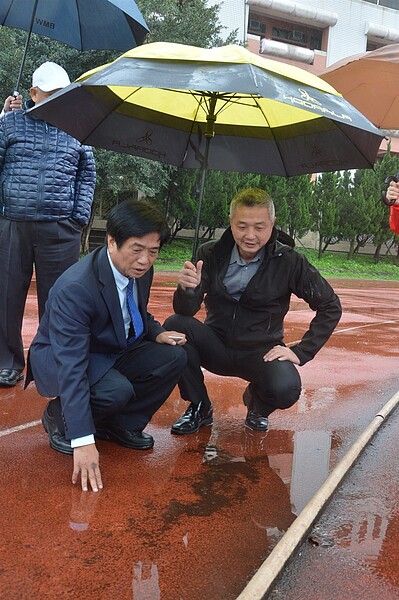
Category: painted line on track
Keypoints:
(337, 331)
(19, 428)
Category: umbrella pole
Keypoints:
(200, 199)
(21, 68)
(209, 133)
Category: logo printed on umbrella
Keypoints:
(147, 137)
(315, 150)
(157, 154)
(306, 101)
(44, 23)
(307, 97)
(330, 165)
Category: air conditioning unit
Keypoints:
(298, 36)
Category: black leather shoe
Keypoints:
(195, 417)
(10, 377)
(56, 438)
(137, 440)
(254, 420)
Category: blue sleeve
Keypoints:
(85, 185)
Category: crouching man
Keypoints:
(107, 361)
(246, 280)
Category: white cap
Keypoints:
(50, 76)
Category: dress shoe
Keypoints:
(254, 420)
(10, 377)
(195, 417)
(137, 440)
(56, 438)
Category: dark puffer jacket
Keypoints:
(46, 175)
(257, 319)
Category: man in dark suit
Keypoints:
(109, 363)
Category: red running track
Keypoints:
(195, 517)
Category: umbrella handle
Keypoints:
(384, 198)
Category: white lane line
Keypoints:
(377, 323)
(364, 326)
(19, 428)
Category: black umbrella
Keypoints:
(82, 24)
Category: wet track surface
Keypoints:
(195, 517)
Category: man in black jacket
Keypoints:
(246, 280)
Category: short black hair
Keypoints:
(136, 218)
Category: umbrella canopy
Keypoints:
(223, 108)
(161, 101)
(369, 81)
(82, 24)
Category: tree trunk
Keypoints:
(351, 249)
(327, 243)
(320, 252)
(377, 253)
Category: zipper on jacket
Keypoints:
(43, 164)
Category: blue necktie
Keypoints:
(137, 321)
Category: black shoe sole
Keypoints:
(205, 422)
(110, 437)
(11, 384)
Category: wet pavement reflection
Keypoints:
(193, 518)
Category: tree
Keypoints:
(277, 188)
(358, 218)
(324, 209)
(299, 196)
(41, 49)
(191, 22)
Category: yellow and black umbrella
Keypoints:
(221, 108)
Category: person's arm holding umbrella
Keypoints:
(189, 293)
(12, 103)
(392, 195)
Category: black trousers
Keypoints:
(273, 385)
(51, 247)
(142, 379)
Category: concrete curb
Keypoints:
(265, 577)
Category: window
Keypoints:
(257, 26)
(315, 43)
(281, 34)
(387, 3)
(299, 36)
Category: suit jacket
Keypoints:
(81, 335)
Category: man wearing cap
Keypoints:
(46, 194)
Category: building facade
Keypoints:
(312, 34)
